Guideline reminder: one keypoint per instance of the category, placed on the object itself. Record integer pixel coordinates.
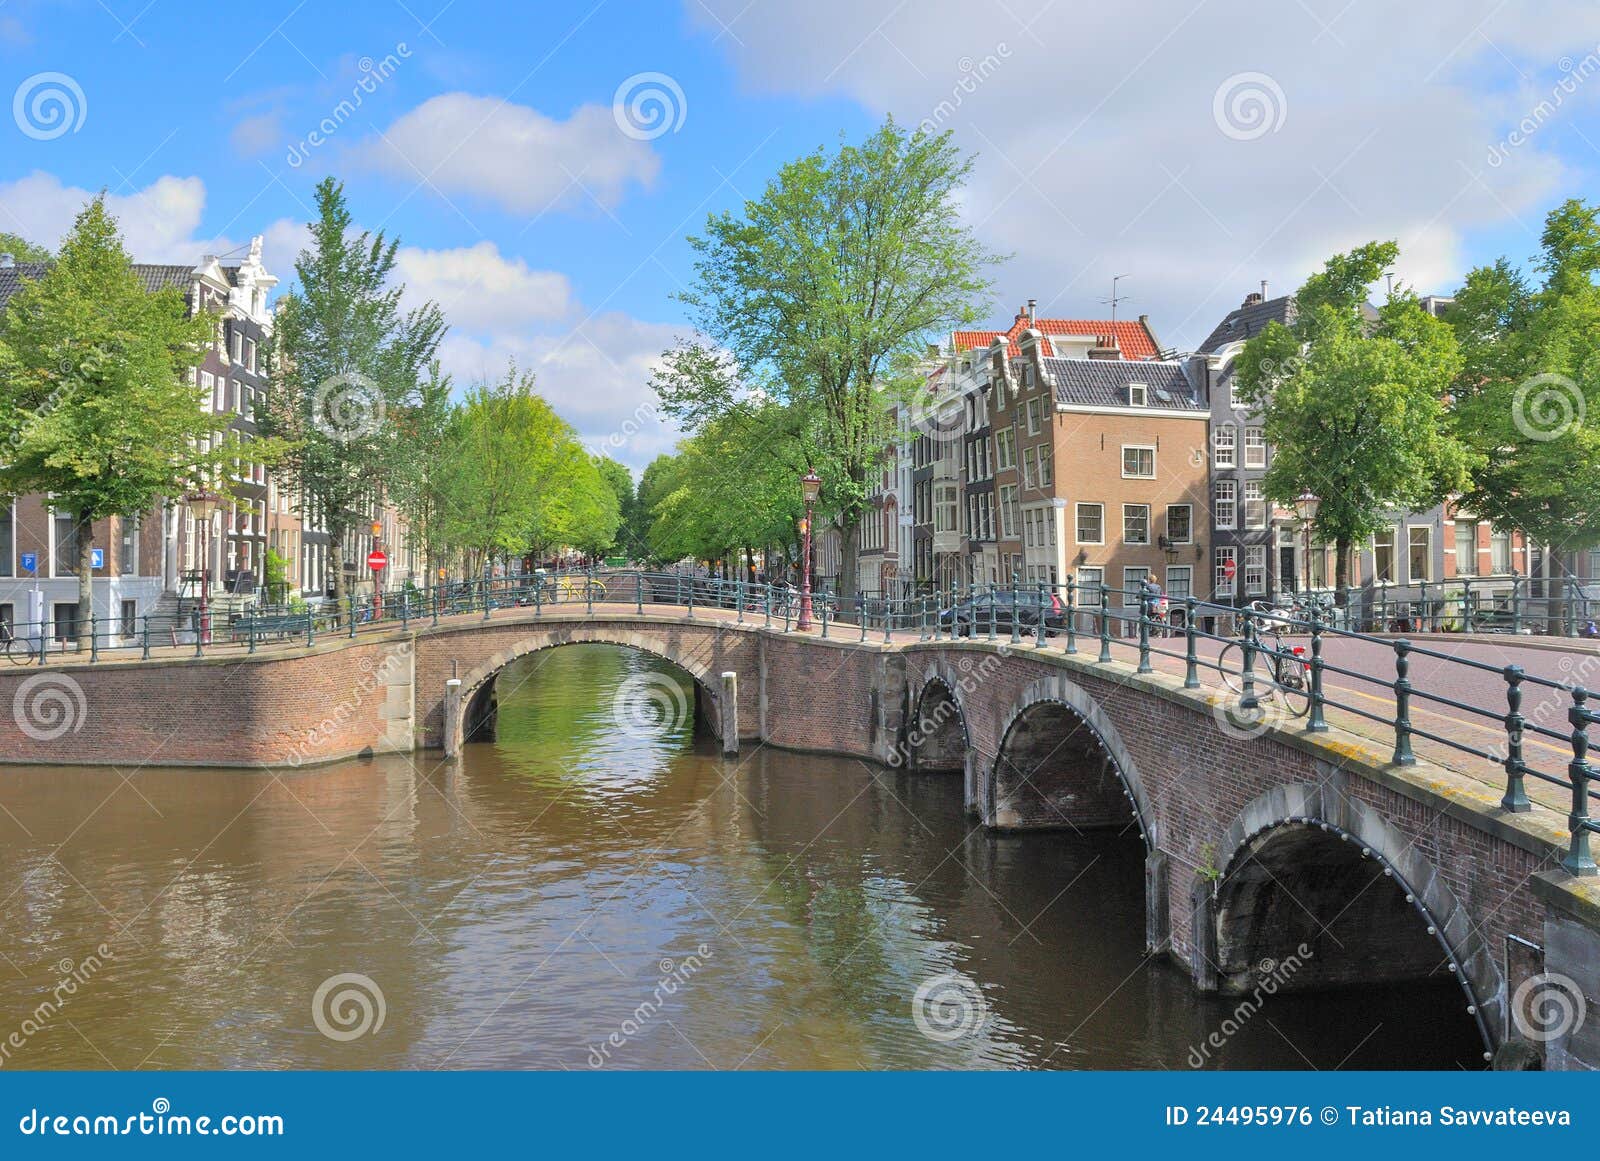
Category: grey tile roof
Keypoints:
(1248, 321)
(155, 278)
(1104, 383)
(12, 278)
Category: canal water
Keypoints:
(599, 888)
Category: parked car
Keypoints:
(972, 614)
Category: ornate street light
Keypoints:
(203, 503)
(1305, 507)
(810, 489)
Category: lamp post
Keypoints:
(204, 504)
(810, 489)
(1305, 507)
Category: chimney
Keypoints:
(7, 261)
(1033, 310)
(1252, 299)
(1105, 347)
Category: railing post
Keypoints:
(1105, 624)
(1579, 861)
(1247, 695)
(1191, 660)
(145, 654)
(1144, 628)
(738, 599)
(1315, 722)
(250, 628)
(311, 624)
(691, 596)
(861, 614)
(638, 597)
(405, 609)
(1016, 613)
(199, 647)
(824, 595)
(588, 592)
(788, 604)
(1402, 705)
(435, 591)
(1516, 605)
(1516, 799)
(350, 601)
(888, 616)
(1072, 615)
(94, 640)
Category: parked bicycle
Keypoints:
(19, 650)
(1280, 669)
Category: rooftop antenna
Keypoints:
(1115, 298)
(1263, 290)
(1388, 282)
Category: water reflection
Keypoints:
(576, 893)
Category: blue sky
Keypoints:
(1197, 147)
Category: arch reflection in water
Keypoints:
(574, 892)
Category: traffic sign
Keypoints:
(97, 558)
(30, 562)
(377, 561)
(1229, 569)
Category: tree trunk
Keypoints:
(1341, 573)
(336, 559)
(849, 557)
(85, 530)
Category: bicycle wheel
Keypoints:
(19, 651)
(1293, 688)
(1230, 663)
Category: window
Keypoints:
(1383, 556)
(65, 616)
(1419, 554)
(1500, 552)
(1223, 506)
(1255, 507)
(128, 557)
(1226, 561)
(8, 538)
(1005, 449)
(1028, 471)
(1255, 569)
(1046, 472)
(1008, 511)
(1179, 523)
(1089, 582)
(8, 617)
(1138, 395)
(1255, 448)
(944, 508)
(238, 347)
(1179, 582)
(1132, 582)
(1091, 523)
(65, 561)
(130, 618)
(1033, 417)
(1466, 547)
(1136, 524)
(1138, 463)
(1223, 445)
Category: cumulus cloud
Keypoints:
(1104, 147)
(256, 135)
(481, 290)
(512, 156)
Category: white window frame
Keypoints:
(1255, 569)
(1138, 447)
(1189, 508)
(1224, 445)
(1126, 509)
(1223, 586)
(1077, 528)
(1228, 504)
(1255, 447)
(1138, 395)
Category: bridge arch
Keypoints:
(1062, 763)
(937, 738)
(1305, 866)
(477, 683)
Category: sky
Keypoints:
(544, 163)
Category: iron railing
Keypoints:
(1265, 659)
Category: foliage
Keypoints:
(23, 250)
(97, 403)
(348, 360)
(821, 294)
(1355, 407)
(1528, 394)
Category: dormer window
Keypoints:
(1138, 395)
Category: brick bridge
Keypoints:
(1255, 846)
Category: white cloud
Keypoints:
(1099, 153)
(481, 290)
(258, 134)
(511, 155)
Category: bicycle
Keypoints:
(19, 650)
(1287, 672)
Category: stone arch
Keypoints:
(1337, 851)
(937, 738)
(475, 682)
(1060, 749)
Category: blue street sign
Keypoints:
(30, 562)
(97, 558)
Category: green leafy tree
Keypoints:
(1355, 408)
(1528, 395)
(349, 360)
(824, 291)
(97, 403)
(418, 490)
(620, 480)
(23, 250)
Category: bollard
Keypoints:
(729, 705)
(452, 717)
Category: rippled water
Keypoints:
(575, 894)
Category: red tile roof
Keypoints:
(1132, 337)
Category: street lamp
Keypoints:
(204, 504)
(1305, 507)
(810, 489)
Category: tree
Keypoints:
(418, 490)
(23, 250)
(348, 360)
(824, 291)
(1528, 394)
(620, 481)
(97, 404)
(1355, 408)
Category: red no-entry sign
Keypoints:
(377, 560)
(1228, 569)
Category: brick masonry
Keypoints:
(1141, 753)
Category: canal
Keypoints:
(599, 888)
